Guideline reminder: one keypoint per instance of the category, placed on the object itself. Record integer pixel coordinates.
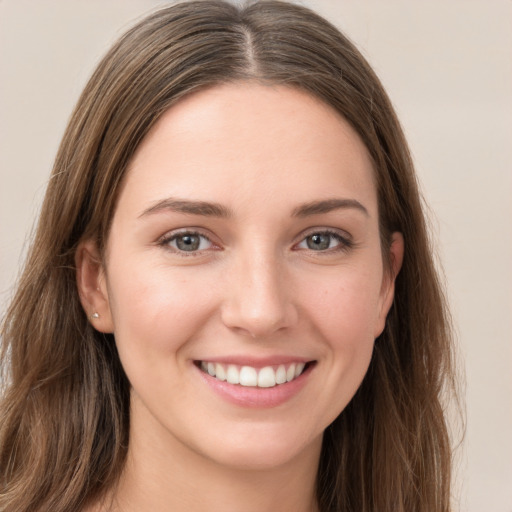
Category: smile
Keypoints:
(266, 377)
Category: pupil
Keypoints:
(317, 242)
(188, 242)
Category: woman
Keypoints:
(231, 294)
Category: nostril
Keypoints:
(259, 318)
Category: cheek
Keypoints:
(343, 311)
(346, 306)
(155, 308)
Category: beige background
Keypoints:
(447, 66)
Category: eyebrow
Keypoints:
(328, 205)
(203, 208)
(208, 209)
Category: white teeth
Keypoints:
(266, 377)
(219, 372)
(298, 369)
(290, 374)
(248, 376)
(233, 375)
(281, 375)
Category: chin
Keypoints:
(263, 449)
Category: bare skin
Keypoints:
(246, 234)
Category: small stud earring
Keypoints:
(94, 316)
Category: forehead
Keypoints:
(245, 143)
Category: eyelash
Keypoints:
(166, 240)
(344, 243)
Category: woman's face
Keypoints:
(245, 248)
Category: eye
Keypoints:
(324, 241)
(187, 242)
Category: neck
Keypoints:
(165, 475)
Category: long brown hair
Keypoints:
(64, 415)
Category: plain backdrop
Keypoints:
(447, 67)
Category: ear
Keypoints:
(92, 286)
(387, 294)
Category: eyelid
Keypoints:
(164, 241)
(345, 239)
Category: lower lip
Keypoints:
(254, 397)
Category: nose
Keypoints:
(258, 297)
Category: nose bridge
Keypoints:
(258, 299)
